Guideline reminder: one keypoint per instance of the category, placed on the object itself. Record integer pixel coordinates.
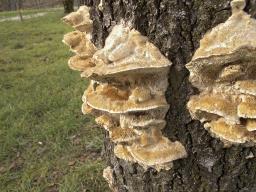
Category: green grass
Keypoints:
(46, 142)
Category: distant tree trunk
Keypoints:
(175, 27)
(4, 5)
(37, 2)
(19, 7)
(68, 6)
(13, 4)
(8, 5)
(82, 2)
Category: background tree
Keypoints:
(19, 8)
(176, 27)
(68, 6)
(9, 5)
(37, 2)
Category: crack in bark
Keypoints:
(223, 171)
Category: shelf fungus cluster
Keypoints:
(128, 80)
(224, 71)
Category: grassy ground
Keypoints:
(26, 12)
(46, 144)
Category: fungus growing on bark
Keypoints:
(207, 106)
(126, 93)
(247, 87)
(79, 63)
(100, 6)
(114, 100)
(225, 131)
(79, 44)
(147, 119)
(127, 52)
(80, 19)
(223, 69)
(158, 155)
(108, 175)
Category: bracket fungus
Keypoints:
(80, 20)
(224, 70)
(108, 175)
(128, 80)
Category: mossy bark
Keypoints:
(176, 27)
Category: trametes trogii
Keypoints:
(126, 92)
(224, 71)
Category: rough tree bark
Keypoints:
(68, 6)
(175, 27)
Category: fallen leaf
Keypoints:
(13, 165)
(71, 163)
(2, 169)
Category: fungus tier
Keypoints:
(126, 92)
(128, 80)
(224, 71)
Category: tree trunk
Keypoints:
(13, 5)
(68, 6)
(37, 2)
(176, 27)
(8, 5)
(19, 8)
(5, 5)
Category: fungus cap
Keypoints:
(159, 156)
(229, 43)
(79, 44)
(121, 152)
(79, 63)
(247, 87)
(209, 107)
(113, 100)
(251, 124)
(123, 135)
(126, 51)
(105, 121)
(228, 132)
(141, 121)
(247, 110)
(108, 175)
(80, 19)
